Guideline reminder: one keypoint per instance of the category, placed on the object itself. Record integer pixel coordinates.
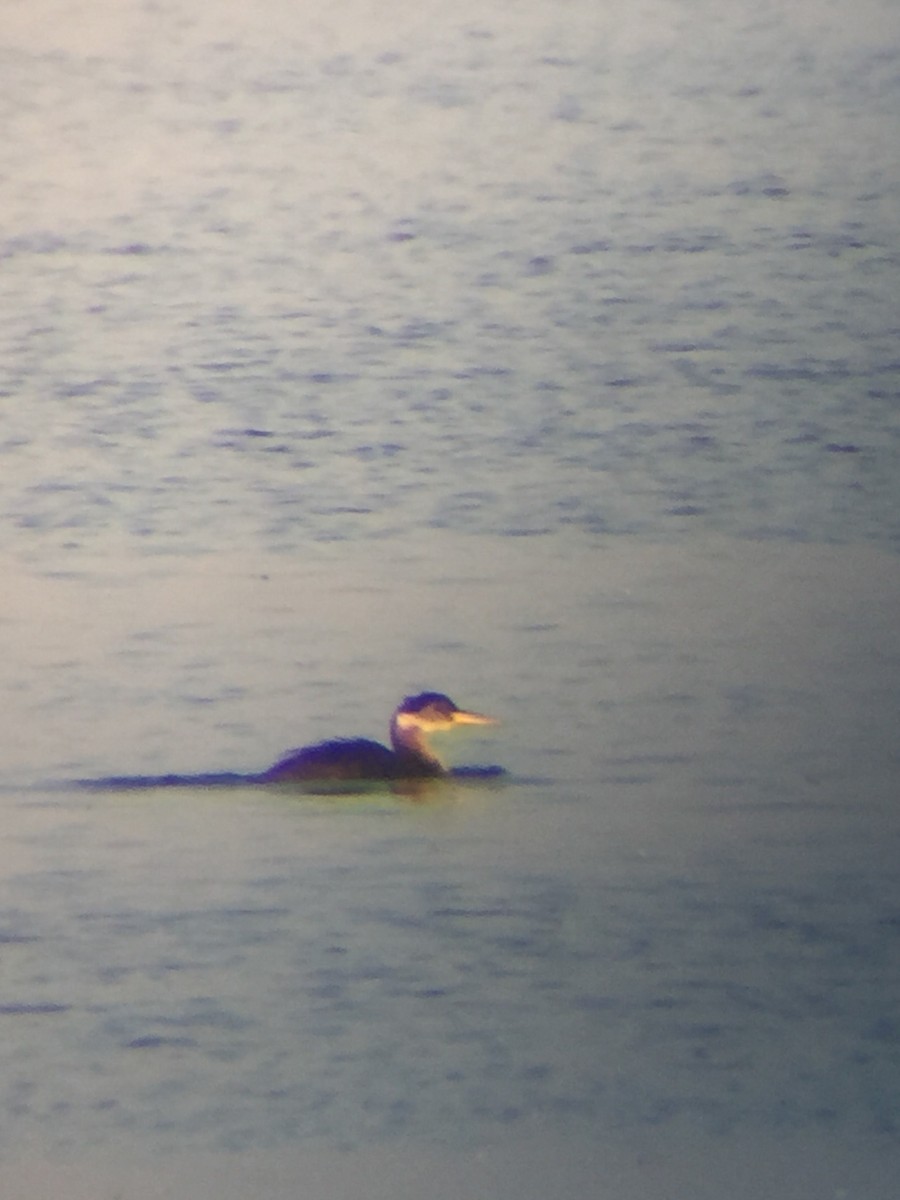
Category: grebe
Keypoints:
(358, 758)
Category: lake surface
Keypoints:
(546, 357)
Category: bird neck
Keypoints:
(410, 744)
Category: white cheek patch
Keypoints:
(417, 721)
(407, 721)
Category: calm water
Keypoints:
(545, 357)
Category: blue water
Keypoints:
(545, 357)
(499, 281)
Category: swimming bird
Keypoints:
(410, 757)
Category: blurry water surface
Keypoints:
(270, 279)
(543, 354)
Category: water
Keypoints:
(491, 274)
(544, 357)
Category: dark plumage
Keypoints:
(360, 759)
